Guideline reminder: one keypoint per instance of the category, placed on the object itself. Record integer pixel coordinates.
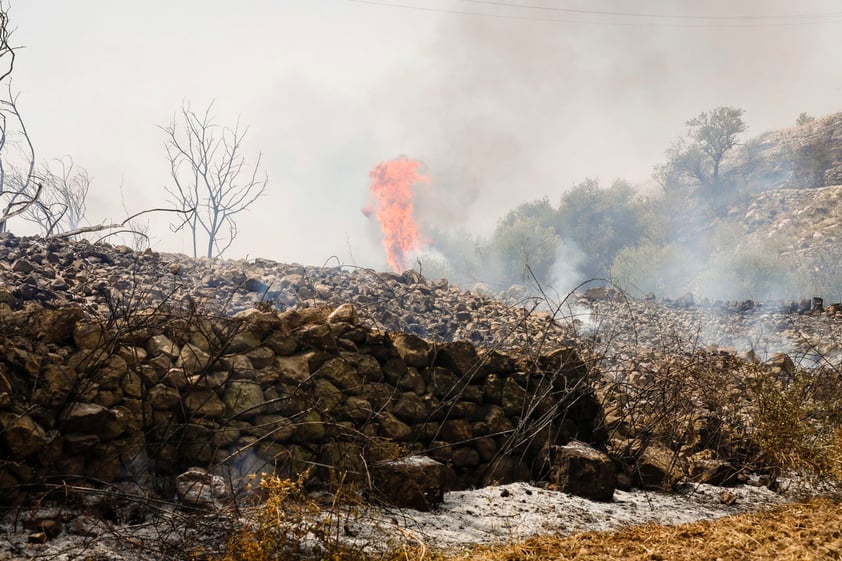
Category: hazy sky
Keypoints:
(502, 108)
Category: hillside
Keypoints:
(147, 389)
(801, 157)
(766, 229)
(324, 345)
(804, 226)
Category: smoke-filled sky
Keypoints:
(510, 106)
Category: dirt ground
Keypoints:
(519, 522)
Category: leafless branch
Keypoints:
(16, 208)
(211, 176)
(5, 48)
(21, 195)
(115, 225)
(62, 205)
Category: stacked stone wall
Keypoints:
(144, 395)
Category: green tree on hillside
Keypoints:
(698, 157)
(601, 222)
(526, 237)
(716, 132)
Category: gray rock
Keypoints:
(243, 399)
(198, 488)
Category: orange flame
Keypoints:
(391, 189)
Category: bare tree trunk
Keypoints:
(210, 176)
(23, 194)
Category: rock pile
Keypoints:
(106, 281)
(628, 331)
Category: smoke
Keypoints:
(566, 273)
(501, 110)
(505, 111)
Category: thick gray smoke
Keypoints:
(505, 111)
(502, 109)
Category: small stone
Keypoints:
(196, 487)
(23, 266)
(38, 537)
(727, 498)
(345, 313)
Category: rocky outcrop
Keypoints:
(802, 157)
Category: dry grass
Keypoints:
(804, 531)
(808, 531)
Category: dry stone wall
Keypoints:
(144, 395)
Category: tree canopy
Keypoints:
(697, 158)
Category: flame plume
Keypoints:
(391, 191)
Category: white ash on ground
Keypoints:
(506, 513)
(495, 514)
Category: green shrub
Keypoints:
(649, 268)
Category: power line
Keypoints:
(656, 15)
(825, 18)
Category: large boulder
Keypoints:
(584, 471)
(412, 482)
(21, 435)
(412, 349)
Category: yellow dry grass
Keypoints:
(804, 532)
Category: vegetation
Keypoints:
(286, 525)
(649, 268)
(812, 160)
(213, 181)
(807, 531)
(601, 222)
(685, 238)
(541, 245)
(697, 158)
(526, 239)
(61, 207)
